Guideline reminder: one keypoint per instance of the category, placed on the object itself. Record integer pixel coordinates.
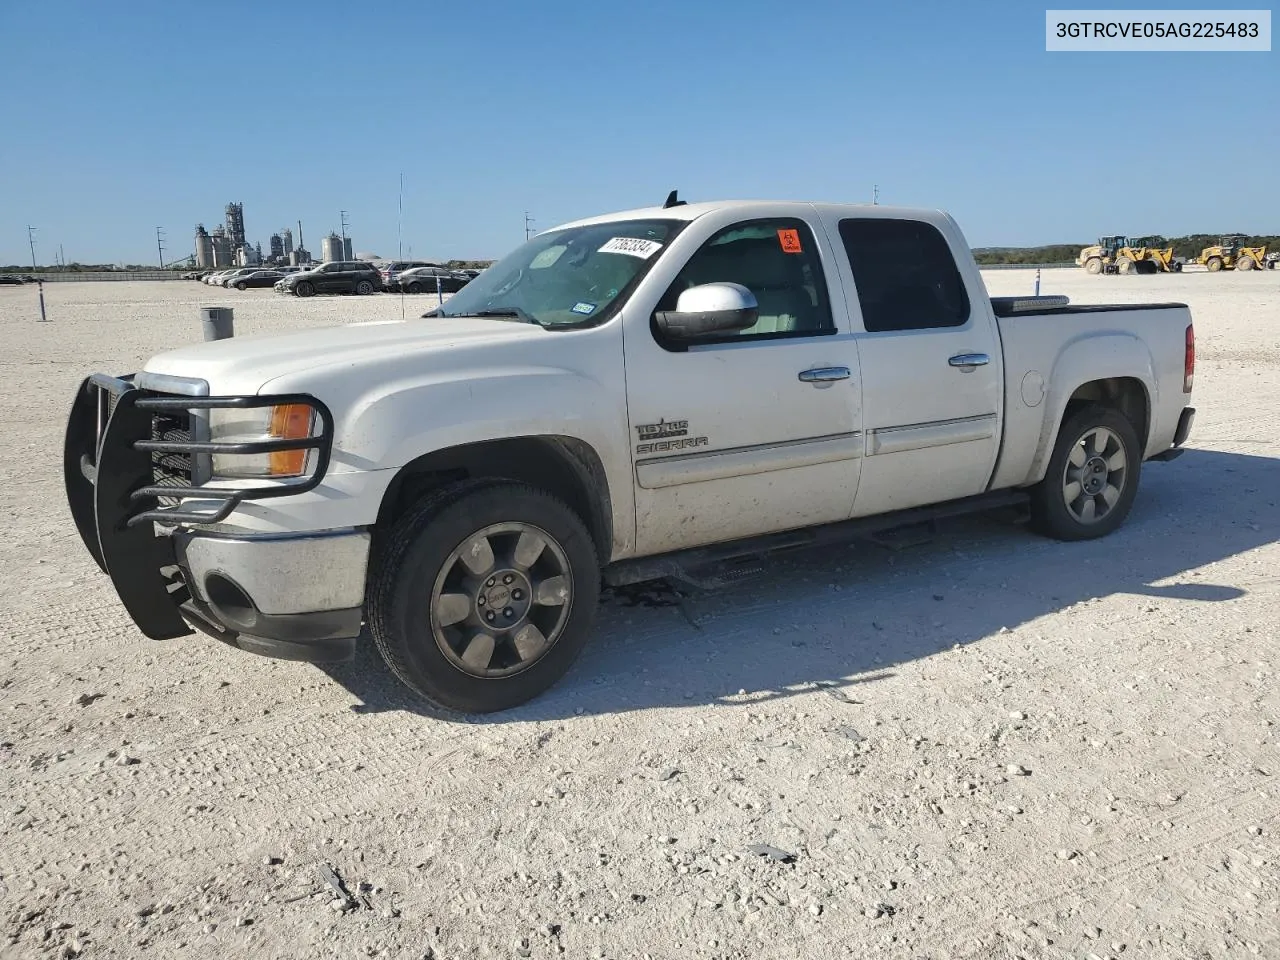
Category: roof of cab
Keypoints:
(692, 211)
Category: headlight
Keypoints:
(288, 421)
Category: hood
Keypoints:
(243, 365)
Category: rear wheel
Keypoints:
(1214, 264)
(1093, 265)
(1092, 477)
(305, 289)
(484, 595)
(1124, 265)
(364, 288)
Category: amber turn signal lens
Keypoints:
(290, 421)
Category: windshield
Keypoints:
(568, 277)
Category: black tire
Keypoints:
(417, 552)
(305, 289)
(364, 288)
(240, 285)
(415, 287)
(1050, 514)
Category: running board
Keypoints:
(690, 565)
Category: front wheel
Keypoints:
(305, 289)
(484, 594)
(1245, 263)
(1092, 478)
(415, 287)
(240, 285)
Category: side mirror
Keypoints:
(707, 310)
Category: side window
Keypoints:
(777, 260)
(905, 274)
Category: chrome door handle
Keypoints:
(969, 360)
(824, 374)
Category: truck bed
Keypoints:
(1045, 363)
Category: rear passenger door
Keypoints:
(932, 378)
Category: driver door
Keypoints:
(757, 431)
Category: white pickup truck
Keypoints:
(622, 398)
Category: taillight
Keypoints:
(1189, 360)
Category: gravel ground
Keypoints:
(989, 745)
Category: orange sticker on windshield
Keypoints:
(790, 240)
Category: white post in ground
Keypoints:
(218, 322)
(1037, 281)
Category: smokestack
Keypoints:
(300, 243)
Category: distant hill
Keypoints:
(1188, 248)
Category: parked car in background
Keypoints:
(258, 278)
(424, 280)
(338, 276)
(10, 279)
(391, 272)
(229, 279)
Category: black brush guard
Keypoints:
(109, 467)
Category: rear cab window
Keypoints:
(906, 276)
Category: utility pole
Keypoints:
(160, 245)
(528, 226)
(342, 215)
(875, 194)
(31, 240)
(62, 257)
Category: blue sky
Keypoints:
(125, 117)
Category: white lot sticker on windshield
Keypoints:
(632, 246)
(586, 309)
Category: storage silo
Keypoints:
(331, 248)
(204, 248)
(221, 248)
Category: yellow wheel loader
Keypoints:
(1228, 254)
(1148, 255)
(1101, 257)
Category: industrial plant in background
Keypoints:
(226, 246)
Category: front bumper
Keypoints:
(292, 596)
(295, 598)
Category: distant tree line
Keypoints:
(1186, 248)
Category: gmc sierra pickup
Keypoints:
(622, 398)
